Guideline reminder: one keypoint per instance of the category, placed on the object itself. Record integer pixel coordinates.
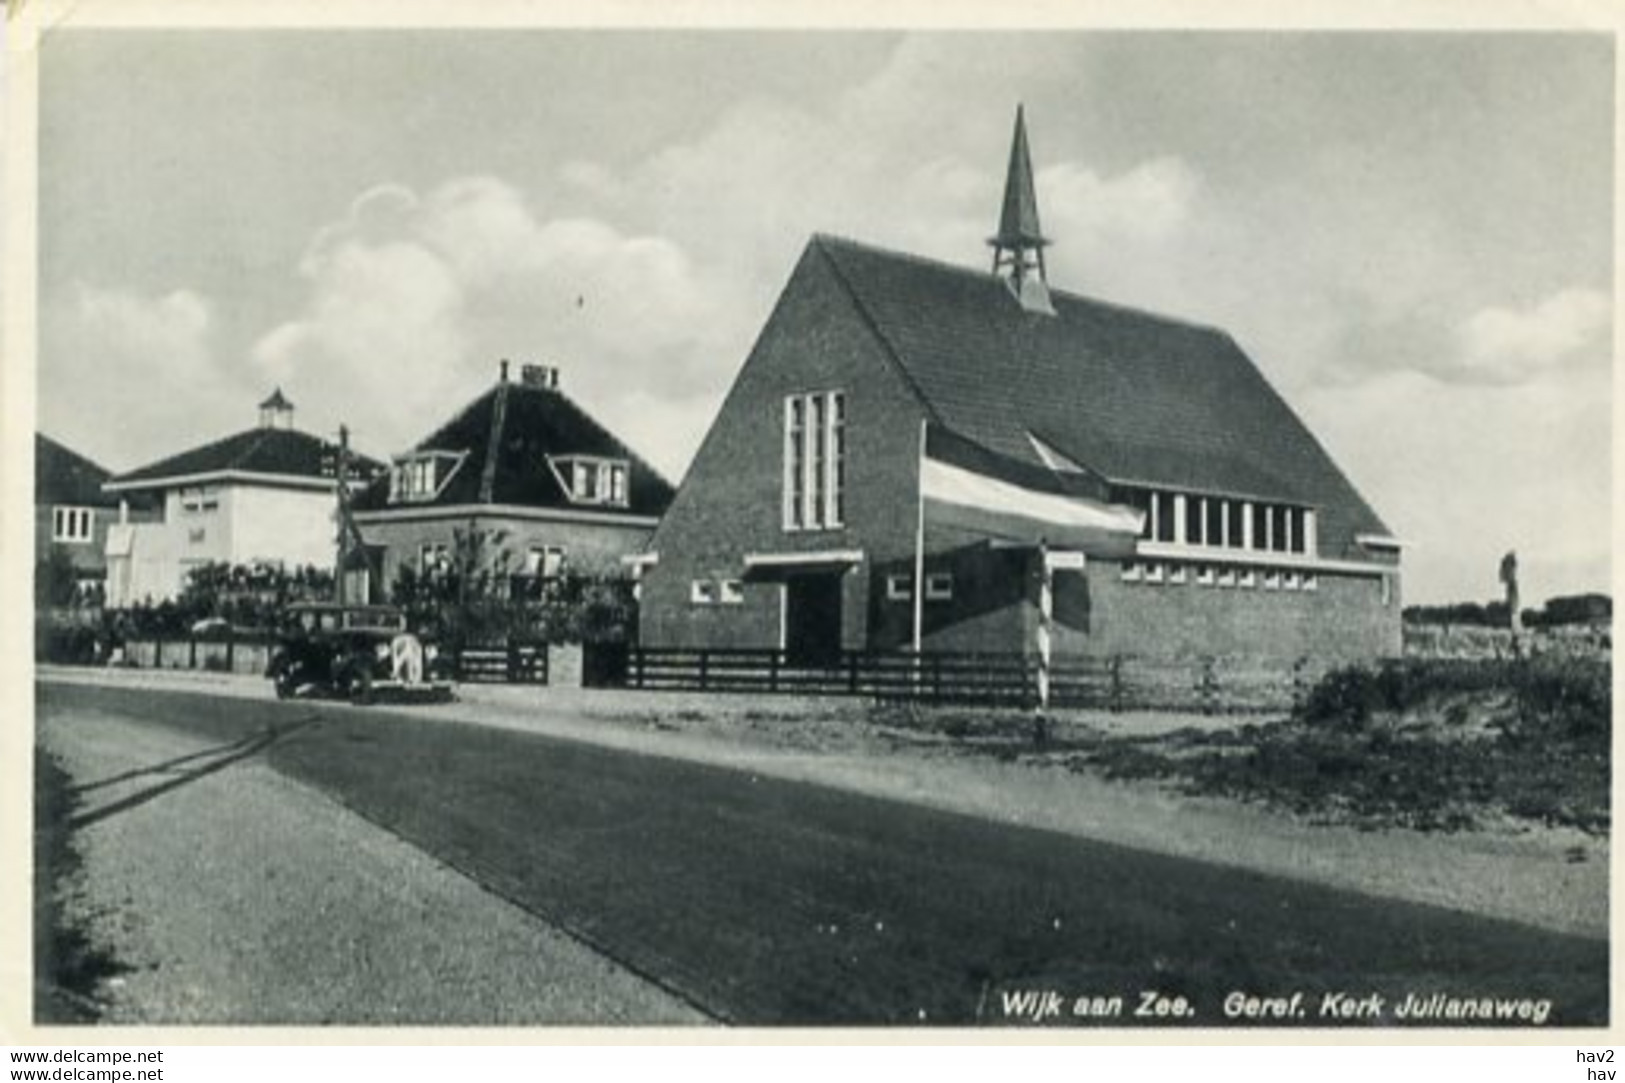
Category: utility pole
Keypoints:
(344, 513)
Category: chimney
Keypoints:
(502, 369)
(542, 376)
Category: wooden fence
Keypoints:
(1118, 683)
(236, 654)
(520, 662)
(512, 662)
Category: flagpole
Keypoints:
(919, 544)
(1046, 612)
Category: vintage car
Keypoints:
(354, 651)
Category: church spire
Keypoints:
(1018, 247)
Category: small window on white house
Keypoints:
(1291, 581)
(1177, 573)
(200, 498)
(71, 525)
(939, 587)
(1247, 578)
(1153, 573)
(703, 592)
(1272, 580)
(731, 591)
(899, 588)
(1130, 572)
(1227, 577)
(1204, 575)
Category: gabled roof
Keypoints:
(285, 453)
(505, 438)
(1131, 396)
(63, 476)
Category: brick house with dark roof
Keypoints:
(262, 495)
(71, 512)
(526, 467)
(799, 523)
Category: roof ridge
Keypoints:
(462, 412)
(253, 445)
(936, 263)
(587, 416)
(78, 459)
(493, 442)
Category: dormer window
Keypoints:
(422, 475)
(588, 479)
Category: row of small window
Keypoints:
(815, 461)
(1156, 572)
(72, 525)
(541, 561)
(939, 587)
(1222, 522)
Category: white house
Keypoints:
(264, 495)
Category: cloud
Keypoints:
(110, 349)
(1152, 201)
(412, 300)
(1466, 472)
(169, 333)
(1503, 345)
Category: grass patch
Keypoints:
(1424, 745)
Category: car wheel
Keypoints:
(361, 688)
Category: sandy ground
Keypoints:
(1551, 878)
(310, 915)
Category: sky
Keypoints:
(1410, 233)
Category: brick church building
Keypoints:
(901, 418)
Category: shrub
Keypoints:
(1564, 696)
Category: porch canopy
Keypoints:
(768, 567)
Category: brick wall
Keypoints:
(589, 548)
(731, 501)
(1345, 617)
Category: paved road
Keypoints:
(222, 891)
(771, 902)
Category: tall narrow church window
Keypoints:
(837, 455)
(814, 461)
(819, 460)
(794, 467)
